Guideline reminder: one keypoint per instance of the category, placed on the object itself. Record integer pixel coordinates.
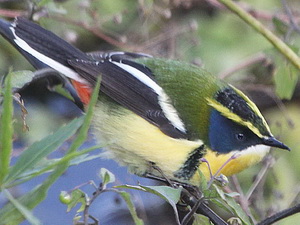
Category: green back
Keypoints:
(188, 86)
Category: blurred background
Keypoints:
(202, 32)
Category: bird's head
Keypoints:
(236, 124)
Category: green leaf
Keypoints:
(37, 151)
(77, 197)
(233, 194)
(227, 202)
(201, 220)
(286, 78)
(47, 165)
(238, 210)
(280, 26)
(106, 176)
(211, 193)
(203, 181)
(43, 2)
(219, 191)
(126, 196)
(62, 91)
(222, 204)
(9, 214)
(76, 219)
(6, 130)
(169, 194)
(218, 197)
(22, 78)
(22, 209)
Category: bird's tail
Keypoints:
(41, 47)
(7, 33)
(29, 39)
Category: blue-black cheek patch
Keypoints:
(223, 134)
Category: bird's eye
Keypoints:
(240, 137)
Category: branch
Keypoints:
(260, 28)
(280, 215)
(202, 208)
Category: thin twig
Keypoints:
(89, 202)
(234, 156)
(190, 215)
(242, 199)
(261, 174)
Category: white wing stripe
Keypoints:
(48, 61)
(164, 100)
(140, 76)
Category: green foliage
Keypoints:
(127, 198)
(20, 79)
(35, 153)
(286, 78)
(201, 220)
(28, 215)
(106, 176)
(170, 195)
(77, 197)
(6, 129)
(18, 209)
(227, 202)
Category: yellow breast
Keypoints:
(134, 142)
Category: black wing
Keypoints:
(125, 88)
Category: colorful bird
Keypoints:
(155, 112)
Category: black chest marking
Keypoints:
(191, 165)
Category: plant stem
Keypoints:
(280, 215)
(260, 28)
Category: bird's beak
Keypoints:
(273, 142)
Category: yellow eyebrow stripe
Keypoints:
(232, 116)
(252, 106)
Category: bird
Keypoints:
(161, 117)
